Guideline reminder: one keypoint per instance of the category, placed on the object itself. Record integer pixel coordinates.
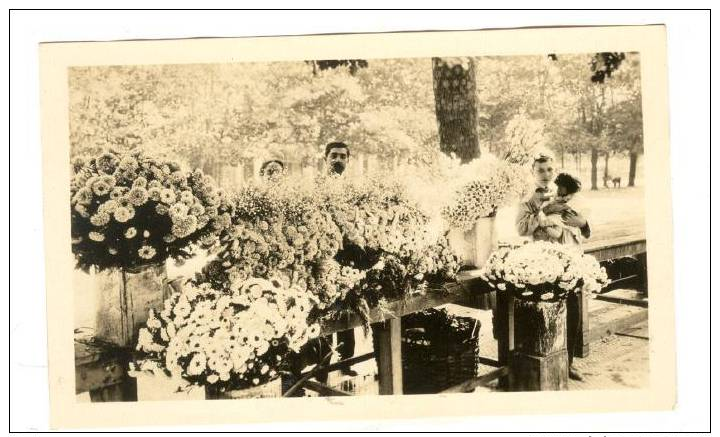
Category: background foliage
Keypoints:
(224, 118)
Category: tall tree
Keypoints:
(508, 86)
(627, 131)
(585, 89)
(456, 106)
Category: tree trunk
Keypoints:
(578, 161)
(455, 106)
(562, 157)
(606, 173)
(593, 168)
(633, 166)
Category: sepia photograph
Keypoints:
(469, 224)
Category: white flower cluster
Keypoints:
(543, 271)
(456, 194)
(523, 139)
(323, 235)
(494, 185)
(235, 338)
(335, 281)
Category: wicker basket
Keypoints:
(435, 354)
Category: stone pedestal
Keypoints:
(540, 358)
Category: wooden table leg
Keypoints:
(642, 272)
(504, 330)
(582, 344)
(389, 357)
(510, 346)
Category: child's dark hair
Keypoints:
(266, 163)
(336, 145)
(571, 184)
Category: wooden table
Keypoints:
(389, 359)
(605, 248)
(106, 378)
(103, 373)
(618, 247)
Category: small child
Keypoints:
(554, 224)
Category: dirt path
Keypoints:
(616, 362)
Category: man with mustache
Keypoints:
(337, 157)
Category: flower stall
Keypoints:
(537, 278)
(291, 261)
(355, 252)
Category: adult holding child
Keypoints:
(548, 216)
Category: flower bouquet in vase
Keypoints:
(540, 276)
(130, 212)
(233, 343)
(484, 185)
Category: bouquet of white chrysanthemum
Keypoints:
(494, 184)
(229, 339)
(376, 214)
(380, 217)
(456, 194)
(131, 209)
(523, 138)
(543, 271)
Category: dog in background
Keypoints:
(616, 181)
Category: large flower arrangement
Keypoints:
(455, 194)
(375, 214)
(277, 231)
(493, 183)
(523, 138)
(389, 251)
(350, 244)
(130, 209)
(543, 271)
(233, 338)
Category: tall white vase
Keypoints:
(476, 244)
